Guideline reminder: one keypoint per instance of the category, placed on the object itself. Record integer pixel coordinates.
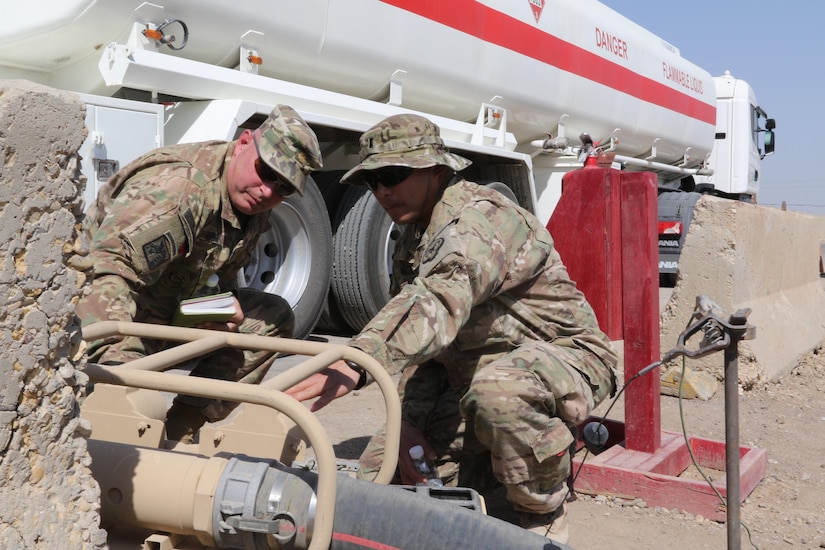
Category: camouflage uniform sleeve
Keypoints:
(424, 318)
(143, 231)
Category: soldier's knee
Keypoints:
(269, 314)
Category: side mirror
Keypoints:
(769, 140)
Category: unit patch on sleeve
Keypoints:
(155, 245)
(438, 249)
(158, 251)
(432, 250)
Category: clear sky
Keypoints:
(775, 47)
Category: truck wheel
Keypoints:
(362, 257)
(363, 242)
(292, 259)
(331, 321)
(503, 189)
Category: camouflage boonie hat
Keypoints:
(403, 140)
(289, 146)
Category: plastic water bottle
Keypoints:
(425, 467)
(210, 288)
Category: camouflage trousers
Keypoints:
(264, 315)
(511, 426)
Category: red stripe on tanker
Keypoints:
(499, 28)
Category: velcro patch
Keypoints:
(158, 251)
(432, 250)
(155, 242)
(440, 247)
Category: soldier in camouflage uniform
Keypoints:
(166, 222)
(501, 353)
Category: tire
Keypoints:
(362, 257)
(331, 321)
(667, 280)
(503, 189)
(292, 259)
(363, 242)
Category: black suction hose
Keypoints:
(374, 516)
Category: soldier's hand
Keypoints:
(232, 325)
(334, 381)
(410, 437)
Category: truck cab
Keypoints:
(744, 136)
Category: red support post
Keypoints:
(604, 228)
(586, 228)
(640, 307)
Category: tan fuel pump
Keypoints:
(234, 488)
(150, 483)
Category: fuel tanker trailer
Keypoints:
(525, 89)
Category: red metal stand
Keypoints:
(604, 228)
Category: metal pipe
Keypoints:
(179, 354)
(738, 329)
(199, 341)
(732, 443)
(105, 329)
(660, 166)
(392, 446)
(299, 372)
(154, 489)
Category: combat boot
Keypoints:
(552, 525)
(183, 422)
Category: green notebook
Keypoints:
(216, 308)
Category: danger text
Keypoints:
(613, 44)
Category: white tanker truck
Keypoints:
(513, 85)
(524, 89)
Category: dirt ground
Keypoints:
(786, 509)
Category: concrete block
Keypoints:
(750, 256)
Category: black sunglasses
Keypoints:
(388, 177)
(271, 177)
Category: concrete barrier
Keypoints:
(749, 256)
(48, 497)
